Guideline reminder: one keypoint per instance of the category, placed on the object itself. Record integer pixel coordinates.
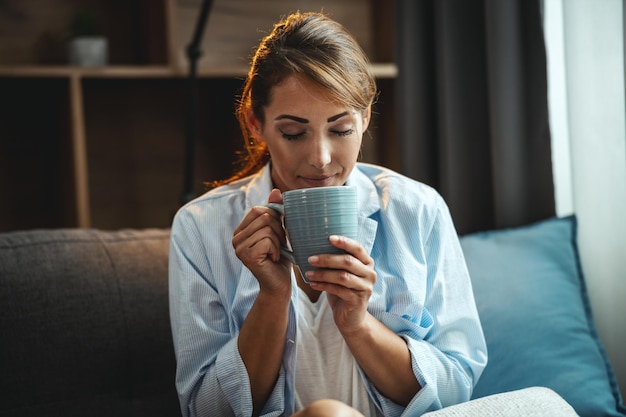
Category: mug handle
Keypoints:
(283, 250)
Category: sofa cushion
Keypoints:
(525, 402)
(85, 324)
(536, 316)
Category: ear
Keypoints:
(254, 125)
(367, 116)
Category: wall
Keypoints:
(585, 44)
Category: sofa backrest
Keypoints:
(84, 328)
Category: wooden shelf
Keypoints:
(103, 147)
(380, 70)
(113, 71)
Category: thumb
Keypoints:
(275, 196)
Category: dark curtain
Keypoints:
(472, 108)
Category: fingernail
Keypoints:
(313, 259)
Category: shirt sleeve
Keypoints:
(211, 378)
(199, 328)
(437, 314)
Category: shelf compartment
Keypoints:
(235, 27)
(36, 176)
(35, 32)
(135, 131)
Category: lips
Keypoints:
(319, 181)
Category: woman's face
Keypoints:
(312, 140)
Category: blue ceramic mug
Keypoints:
(314, 214)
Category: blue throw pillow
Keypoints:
(535, 313)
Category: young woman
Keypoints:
(389, 329)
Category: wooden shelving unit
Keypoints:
(103, 147)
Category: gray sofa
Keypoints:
(84, 328)
(85, 324)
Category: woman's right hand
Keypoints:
(257, 241)
(261, 342)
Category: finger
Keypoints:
(351, 295)
(263, 248)
(344, 270)
(352, 247)
(337, 277)
(354, 291)
(275, 196)
(341, 262)
(256, 228)
(251, 220)
(259, 246)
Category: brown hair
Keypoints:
(304, 44)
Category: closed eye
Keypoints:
(293, 136)
(343, 133)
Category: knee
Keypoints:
(328, 408)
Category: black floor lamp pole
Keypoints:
(193, 55)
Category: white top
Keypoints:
(325, 367)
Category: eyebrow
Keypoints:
(302, 120)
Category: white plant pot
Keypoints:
(89, 51)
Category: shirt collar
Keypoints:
(259, 187)
(367, 194)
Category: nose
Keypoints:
(320, 152)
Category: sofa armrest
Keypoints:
(527, 402)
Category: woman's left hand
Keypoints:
(382, 354)
(348, 280)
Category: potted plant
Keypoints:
(87, 45)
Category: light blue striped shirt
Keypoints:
(423, 293)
